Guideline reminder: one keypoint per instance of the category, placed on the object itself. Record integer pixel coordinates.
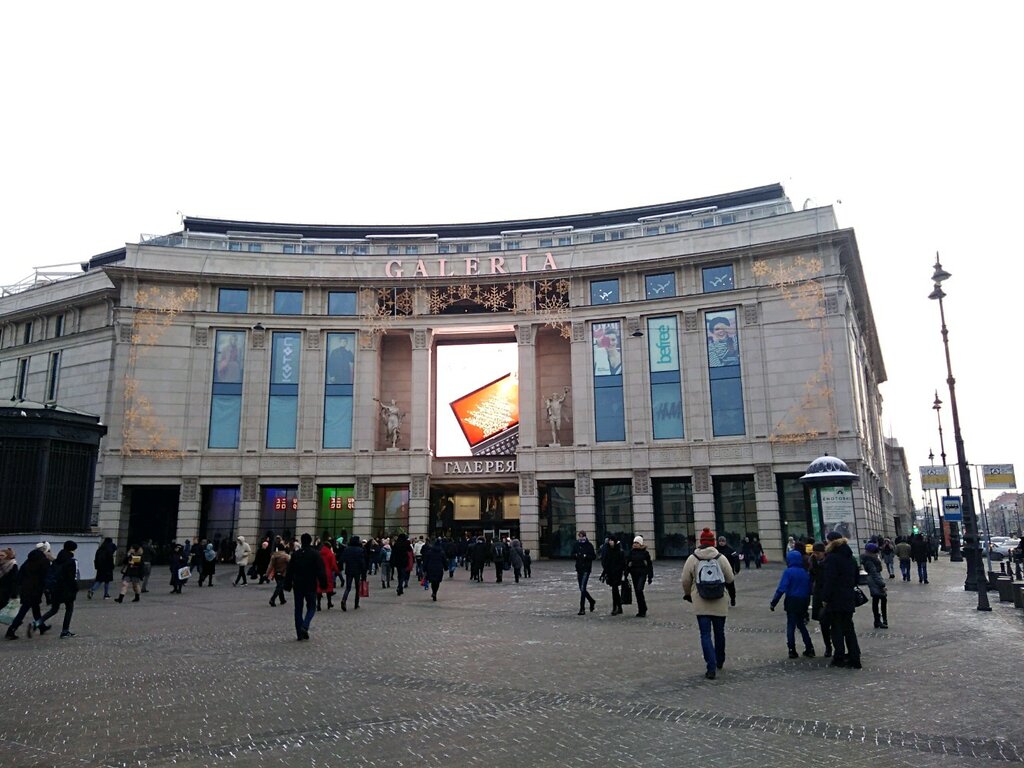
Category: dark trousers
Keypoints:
(349, 581)
(241, 575)
(905, 569)
(922, 571)
(23, 611)
(826, 630)
(844, 637)
(403, 580)
(713, 649)
(278, 590)
(434, 585)
(878, 607)
(69, 609)
(305, 600)
(498, 568)
(616, 598)
(583, 577)
(797, 621)
(639, 582)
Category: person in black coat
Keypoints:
(434, 564)
(477, 558)
(499, 554)
(584, 555)
(838, 578)
(400, 551)
(305, 572)
(353, 564)
(919, 553)
(818, 613)
(31, 582)
(641, 569)
(104, 564)
(613, 566)
(65, 591)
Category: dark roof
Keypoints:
(109, 257)
(753, 196)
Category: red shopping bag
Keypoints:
(364, 589)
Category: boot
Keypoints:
(283, 601)
(11, 634)
(89, 594)
(582, 611)
(793, 654)
(136, 599)
(593, 603)
(119, 599)
(878, 623)
(809, 653)
(343, 606)
(885, 621)
(319, 602)
(828, 652)
(330, 602)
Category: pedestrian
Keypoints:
(527, 563)
(242, 554)
(177, 562)
(306, 575)
(613, 567)
(498, 555)
(876, 584)
(705, 575)
(920, 553)
(330, 561)
(417, 551)
(838, 579)
(147, 563)
(584, 555)
(132, 572)
(641, 569)
(31, 582)
(276, 570)
(8, 575)
(262, 561)
(450, 555)
(434, 564)
(795, 584)
(515, 550)
(354, 562)
(209, 564)
(818, 612)
(65, 589)
(903, 554)
(752, 551)
(888, 552)
(401, 553)
(478, 558)
(734, 560)
(103, 562)
(384, 558)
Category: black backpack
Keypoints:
(710, 579)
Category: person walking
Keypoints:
(613, 567)
(752, 551)
(330, 561)
(705, 574)
(818, 612)
(147, 563)
(920, 553)
(401, 553)
(65, 589)
(384, 557)
(208, 565)
(306, 575)
(795, 584)
(276, 570)
(734, 560)
(888, 552)
(242, 554)
(31, 583)
(8, 575)
(261, 561)
(876, 585)
(584, 555)
(641, 569)
(103, 562)
(132, 573)
(839, 577)
(178, 561)
(498, 555)
(477, 558)
(353, 559)
(434, 564)
(518, 558)
(903, 554)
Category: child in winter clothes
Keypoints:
(795, 584)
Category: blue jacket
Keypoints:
(795, 581)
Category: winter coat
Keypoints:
(795, 584)
(434, 562)
(839, 577)
(67, 577)
(732, 555)
(242, 552)
(104, 562)
(919, 549)
(478, 554)
(32, 576)
(516, 551)
(499, 552)
(903, 551)
(400, 552)
(816, 573)
(584, 555)
(278, 565)
(133, 569)
(330, 568)
(353, 558)
(209, 563)
(613, 565)
(306, 573)
(639, 565)
(702, 607)
(262, 559)
(873, 566)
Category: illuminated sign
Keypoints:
(470, 266)
(480, 467)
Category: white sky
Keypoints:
(118, 115)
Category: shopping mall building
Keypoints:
(649, 370)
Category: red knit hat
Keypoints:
(707, 538)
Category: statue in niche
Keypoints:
(392, 418)
(553, 405)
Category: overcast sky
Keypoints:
(118, 116)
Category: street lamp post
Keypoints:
(954, 532)
(976, 579)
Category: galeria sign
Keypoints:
(480, 467)
(471, 265)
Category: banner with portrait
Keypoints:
(723, 339)
(229, 357)
(607, 341)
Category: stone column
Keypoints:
(769, 527)
(582, 394)
(586, 517)
(527, 388)
(249, 510)
(365, 415)
(362, 515)
(643, 510)
(529, 513)
(188, 509)
(637, 396)
(422, 401)
(419, 506)
(305, 517)
(703, 500)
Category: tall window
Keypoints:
(673, 518)
(233, 300)
(26, 333)
(735, 508)
(341, 303)
(52, 377)
(724, 373)
(390, 509)
(718, 279)
(338, 385)
(58, 326)
(609, 409)
(283, 409)
(287, 302)
(666, 387)
(557, 519)
(219, 516)
(335, 511)
(794, 511)
(660, 286)
(279, 508)
(226, 396)
(614, 511)
(21, 382)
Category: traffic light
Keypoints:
(916, 530)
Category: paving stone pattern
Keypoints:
(508, 675)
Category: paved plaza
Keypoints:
(509, 675)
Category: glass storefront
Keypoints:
(390, 510)
(613, 511)
(279, 507)
(335, 509)
(673, 518)
(557, 519)
(219, 514)
(735, 509)
(794, 511)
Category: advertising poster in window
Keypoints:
(229, 358)
(341, 357)
(663, 344)
(607, 340)
(285, 362)
(723, 339)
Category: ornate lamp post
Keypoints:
(954, 530)
(976, 579)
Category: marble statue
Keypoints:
(553, 404)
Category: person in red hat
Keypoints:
(706, 574)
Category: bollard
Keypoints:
(1018, 594)
(1005, 586)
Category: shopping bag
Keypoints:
(184, 573)
(626, 593)
(364, 589)
(764, 559)
(9, 611)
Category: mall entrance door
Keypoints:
(153, 516)
(492, 509)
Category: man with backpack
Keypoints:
(498, 554)
(705, 576)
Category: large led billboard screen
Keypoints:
(477, 399)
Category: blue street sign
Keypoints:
(951, 509)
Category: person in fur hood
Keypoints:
(838, 578)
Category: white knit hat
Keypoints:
(638, 540)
